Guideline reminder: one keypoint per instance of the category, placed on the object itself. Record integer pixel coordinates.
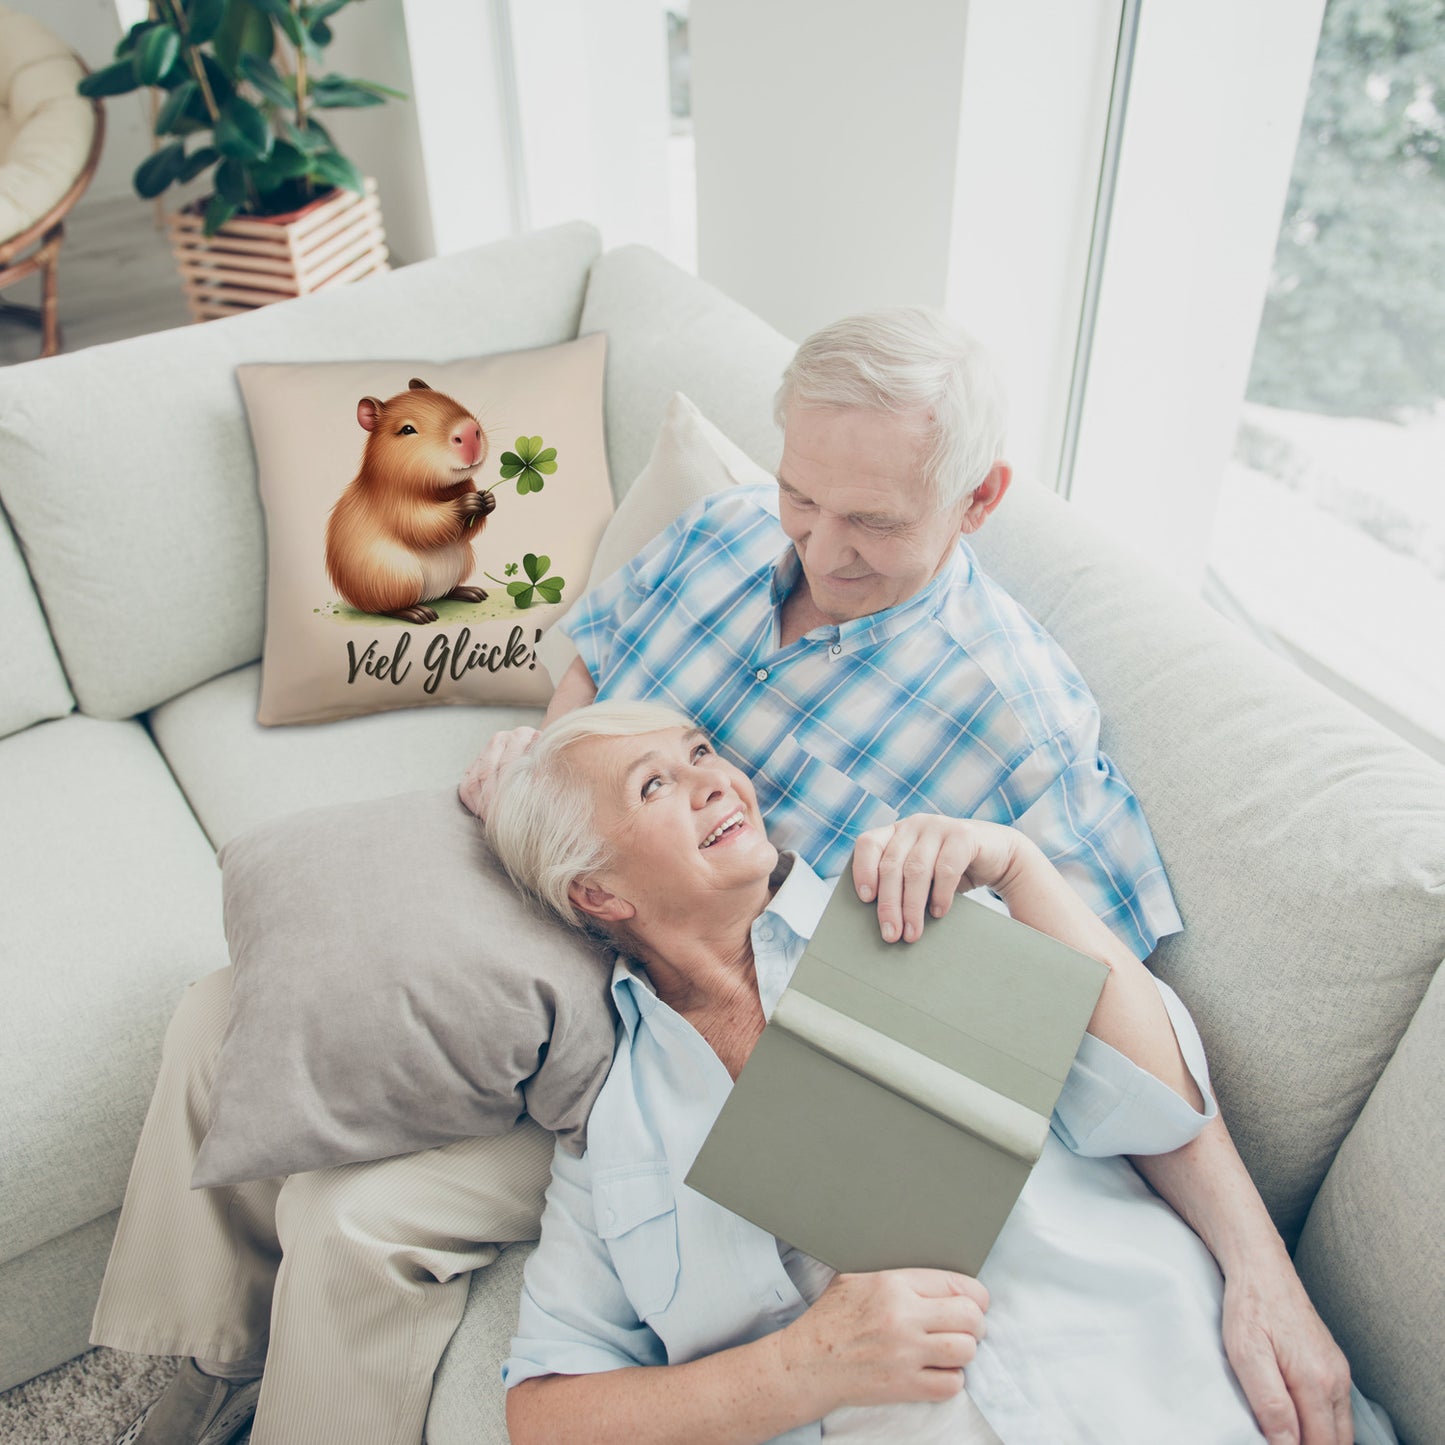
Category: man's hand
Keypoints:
(1295, 1377)
(916, 865)
(479, 780)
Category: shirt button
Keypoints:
(761, 674)
(836, 648)
(765, 933)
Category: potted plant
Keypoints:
(239, 85)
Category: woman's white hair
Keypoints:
(908, 360)
(542, 821)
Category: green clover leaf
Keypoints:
(549, 589)
(529, 464)
(510, 569)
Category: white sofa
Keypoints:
(1305, 845)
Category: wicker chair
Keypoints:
(50, 140)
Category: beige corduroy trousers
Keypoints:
(350, 1281)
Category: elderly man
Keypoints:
(838, 640)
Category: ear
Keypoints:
(368, 413)
(597, 902)
(417, 384)
(986, 496)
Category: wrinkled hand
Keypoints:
(927, 859)
(479, 781)
(1295, 1377)
(899, 1334)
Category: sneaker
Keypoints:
(195, 1409)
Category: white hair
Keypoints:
(542, 821)
(908, 360)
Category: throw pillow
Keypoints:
(391, 993)
(424, 522)
(691, 459)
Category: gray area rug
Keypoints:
(86, 1402)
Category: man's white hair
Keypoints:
(908, 360)
(542, 821)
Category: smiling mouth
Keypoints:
(728, 825)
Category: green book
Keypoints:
(900, 1094)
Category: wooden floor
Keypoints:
(117, 279)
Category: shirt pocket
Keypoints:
(816, 808)
(636, 1212)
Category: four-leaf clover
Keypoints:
(510, 569)
(529, 463)
(549, 589)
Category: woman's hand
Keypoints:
(918, 864)
(475, 788)
(899, 1334)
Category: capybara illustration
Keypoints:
(401, 533)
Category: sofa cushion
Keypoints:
(35, 688)
(1301, 840)
(371, 1016)
(352, 456)
(236, 773)
(691, 459)
(110, 906)
(669, 332)
(145, 443)
(1372, 1254)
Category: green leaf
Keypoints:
(320, 36)
(197, 161)
(156, 53)
(244, 31)
(222, 85)
(524, 599)
(536, 566)
(547, 468)
(203, 19)
(231, 182)
(550, 455)
(157, 171)
(288, 163)
(536, 482)
(278, 89)
(524, 448)
(117, 79)
(131, 38)
(323, 11)
(175, 106)
(333, 168)
(332, 92)
(312, 141)
(242, 132)
(382, 90)
(512, 459)
(218, 213)
(510, 470)
(515, 589)
(526, 483)
(549, 594)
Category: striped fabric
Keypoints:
(954, 702)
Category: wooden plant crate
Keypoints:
(255, 260)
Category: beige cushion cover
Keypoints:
(309, 447)
(45, 126)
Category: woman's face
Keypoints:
(681, 823)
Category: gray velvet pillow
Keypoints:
(392, 992)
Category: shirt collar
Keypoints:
(795, 907)
(878, 626)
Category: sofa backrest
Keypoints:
(33, 687)
(128, 474)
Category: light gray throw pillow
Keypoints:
(392, 993)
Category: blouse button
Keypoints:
(761, 674)
(836, 648)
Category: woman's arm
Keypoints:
(917, 865)
(903, 1334)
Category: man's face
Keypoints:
(852, 499)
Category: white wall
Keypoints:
(827, 140)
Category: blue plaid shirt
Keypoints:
(954, 702)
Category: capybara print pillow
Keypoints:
(425, 522)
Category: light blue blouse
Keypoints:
(1105, 1316)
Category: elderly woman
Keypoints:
(653, 1314)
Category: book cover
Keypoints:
(900, 1094)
